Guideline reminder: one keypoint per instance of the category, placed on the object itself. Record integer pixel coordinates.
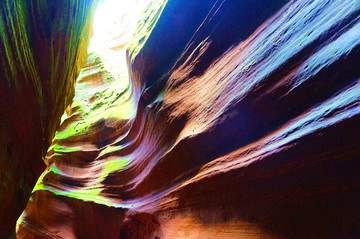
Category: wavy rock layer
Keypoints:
(43, 45)
(240, 120)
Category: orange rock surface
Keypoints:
(233, 119)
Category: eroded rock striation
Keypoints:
(43, 45)
(239, 119)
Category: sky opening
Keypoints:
(114, 23)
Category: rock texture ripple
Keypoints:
(238, 119)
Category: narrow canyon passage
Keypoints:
(180, 119)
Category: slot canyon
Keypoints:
(179, 119)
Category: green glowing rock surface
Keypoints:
(111, 99)
(102, 99)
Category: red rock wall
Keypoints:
(43, 45)
(246, 126)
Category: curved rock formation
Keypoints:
(240, 120)
(43, 45)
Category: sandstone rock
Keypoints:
(240, 119)
(43, 45)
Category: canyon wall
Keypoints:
(43, 45)
(238, 119)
